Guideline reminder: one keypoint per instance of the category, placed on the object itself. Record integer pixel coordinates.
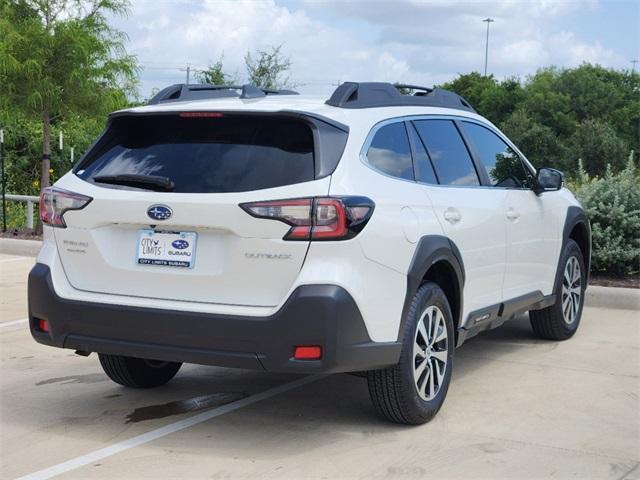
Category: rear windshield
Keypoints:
(231, 153)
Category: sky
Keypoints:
(422, 42)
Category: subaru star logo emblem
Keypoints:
(180, 244)
(159, 212)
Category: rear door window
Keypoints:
(448, 153)
(230, 153)
(390, 151)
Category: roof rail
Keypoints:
(380, 94)
(181, 92)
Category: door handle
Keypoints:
(512, 214)
(452, 215)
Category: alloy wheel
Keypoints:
(571, 290)
(430, 353)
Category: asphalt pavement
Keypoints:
(518, 407)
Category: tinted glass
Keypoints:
(449, 155)
(503, 165)
(390, 152)
(424, 169)
(206, 155)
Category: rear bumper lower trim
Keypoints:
(324, 315)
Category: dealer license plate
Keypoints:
(169, 249)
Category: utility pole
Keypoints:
(634, 62)
(188, 70)
(188, 75)
(486, 46)
(4, 184)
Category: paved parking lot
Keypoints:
(518, 407)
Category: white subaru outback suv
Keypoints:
(372, 232)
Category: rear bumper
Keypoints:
(324, 315)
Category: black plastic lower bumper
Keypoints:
(324, 315)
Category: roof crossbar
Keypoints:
(181, 92)
(380, 94)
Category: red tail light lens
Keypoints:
(55, 201)
(323, 218)
(330, 219)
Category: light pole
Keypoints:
(486, 46)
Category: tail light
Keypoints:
(322, 218)
(54, 202)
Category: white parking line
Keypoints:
(13, 322)
(163, 431)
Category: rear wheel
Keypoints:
(413, 391)
(560, 321)
(138, 372)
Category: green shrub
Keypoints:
(612, 204)
(17, 215)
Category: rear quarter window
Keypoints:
(390, 151)
(233, 153)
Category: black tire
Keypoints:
(550, 323)
(137, 372)
(393, 390)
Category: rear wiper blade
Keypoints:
(148, 182)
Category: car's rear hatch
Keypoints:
(215, 161)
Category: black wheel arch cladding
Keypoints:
(441, 253)
(576, 227)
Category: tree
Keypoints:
(492, 99)
(215, 74)
(548, 104)
(538, 142)
(61, 57)
(500, 100)
(472, 86)
(558, 115)
(597, 144)
(269, 69)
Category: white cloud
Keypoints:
(331, 41)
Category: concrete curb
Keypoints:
(598, 297)
(613, 297)
(16, 246)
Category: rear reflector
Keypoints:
(321, 218)
(313, 352)
(43, 325)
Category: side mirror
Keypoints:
(548, 180)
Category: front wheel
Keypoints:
(413, 391)
(560, 321)
(138, 372)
